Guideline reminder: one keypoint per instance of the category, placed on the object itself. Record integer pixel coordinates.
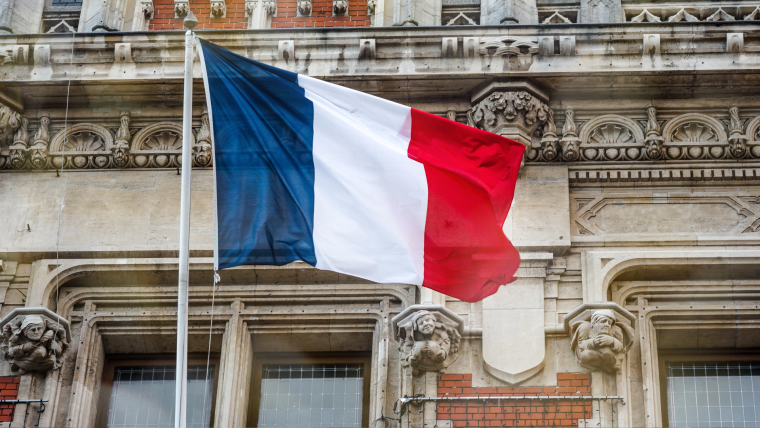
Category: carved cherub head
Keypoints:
(424, 322)
(33, 327)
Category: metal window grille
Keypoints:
(144, 397)
(713, 394)
(311, 395)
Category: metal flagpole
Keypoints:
(180, 398)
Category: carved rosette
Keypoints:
(35, 339)
(601, 335)
(428, 337)
(514, 114)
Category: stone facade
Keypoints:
(636, 213)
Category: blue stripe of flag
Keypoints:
(263, 134)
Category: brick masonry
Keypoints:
(321, 16)
(514, 413)
(8, 391)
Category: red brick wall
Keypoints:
(8, 391)
(321, 15)
(514, 413)
(163, 17)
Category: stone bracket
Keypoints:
(584, 312)
(367, 49)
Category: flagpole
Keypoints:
(180, 397)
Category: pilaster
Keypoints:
(235, 369)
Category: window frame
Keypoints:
(148, 360)
(677, 355)
(261, 359)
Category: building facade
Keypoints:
(636, 213)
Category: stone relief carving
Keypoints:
(737, 141)
(570, 141)
(654, 139)
(611, 137)
(738, 214)
(429, 338)
(549, 141)
(518, 51)
(601, 11)
(181, 9)
(202, 149)
(158, 145)
(36, 340)
(340, 7)
(85, 145)
(270, 7)
(303, 7)
(218, 9)
(120, 149)
(38, 152)
(601, 343)
(556, 18)
(504, 108)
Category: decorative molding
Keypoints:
(521, 50)
(645, 16)
(683, 15)
(556, 18)
(694, 128)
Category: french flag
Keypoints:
(352, 183)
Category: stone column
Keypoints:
(429, 337)
(235, 369)
(502, 12)
(601, 11)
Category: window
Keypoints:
(61, 16)
(713, 394)
(311, 392)
(140, 393)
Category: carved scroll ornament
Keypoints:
(512, 107)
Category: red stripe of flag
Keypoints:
(471, 176)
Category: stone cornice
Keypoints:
(335, 54)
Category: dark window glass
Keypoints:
(311, 395)
(713, 394)
(143, 396)
(76, 3)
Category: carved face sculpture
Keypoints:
(601, 323)
(33, 327)
(426, 324)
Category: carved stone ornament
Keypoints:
(428, 336)
(518, 52)
(181, 9)
(270, 7)
(218, 9)
(654, 139)
(570, 142)
(340, 7)
(304, 7)
(38, 152)
(504, 109)
(737, 141)
(549, 141)
(36, 339)
(202, 149)
(602, 334)
(371, 6)
(120, 149)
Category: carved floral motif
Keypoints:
(503, 108)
